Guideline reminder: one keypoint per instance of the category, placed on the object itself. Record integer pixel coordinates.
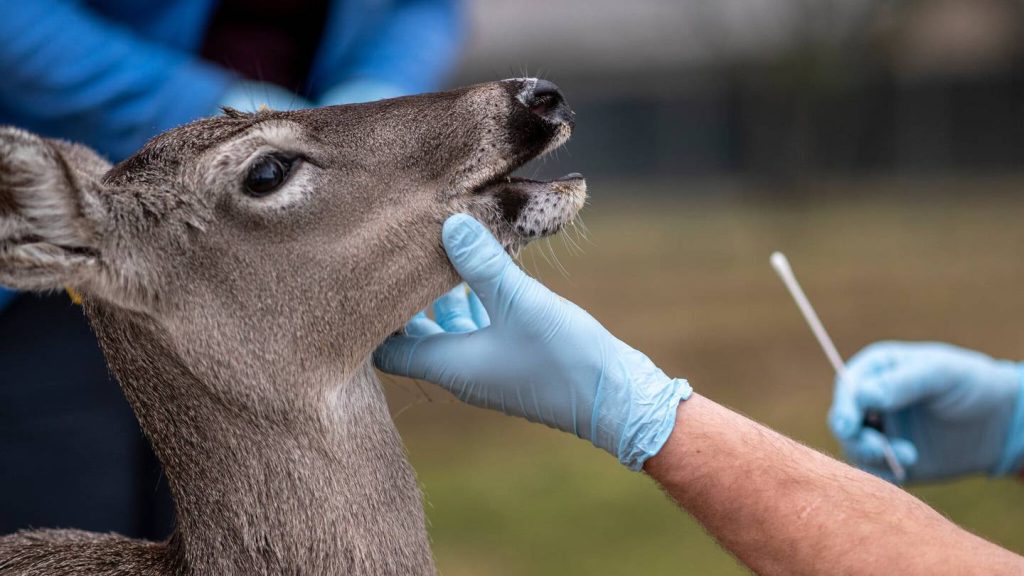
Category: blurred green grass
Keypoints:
(687, 281)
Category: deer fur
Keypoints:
(240, 328)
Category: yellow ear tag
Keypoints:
(264, 108)
(76, 298)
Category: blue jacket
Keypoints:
(113, 73)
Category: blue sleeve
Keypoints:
(69, 73)
(5, 297)
(411, 46)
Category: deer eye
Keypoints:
(267, 175)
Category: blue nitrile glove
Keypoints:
(948, 411)
(359, 90)
(525, 351)
(250, 96)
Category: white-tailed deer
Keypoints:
(239, 271)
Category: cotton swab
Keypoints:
(781, 265)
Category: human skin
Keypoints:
(783, 508)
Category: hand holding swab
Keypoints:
(781, 265)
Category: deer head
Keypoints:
(307, 235)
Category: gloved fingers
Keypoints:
(477, 311)
(395, 354)
(421, 326)
(872, 360)
(452, 313)
(481, 260)
(904, 384)
(868, 449)
(906, 452)
(845, 418)
(250, 96)
(882, 472)
(415, 357)
(358, 90)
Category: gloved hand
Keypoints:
(948, 411)
(250, 96)
(525, 351)
(359, 90)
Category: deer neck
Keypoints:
(324, 489)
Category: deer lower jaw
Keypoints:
(534, 209)
(519, 210)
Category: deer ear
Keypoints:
(50, 212)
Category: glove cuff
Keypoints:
(1014, 445)
(645, 441)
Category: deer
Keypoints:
(238, 272)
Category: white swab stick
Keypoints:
(781, 265)
(783, 269)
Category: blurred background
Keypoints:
(879, 143)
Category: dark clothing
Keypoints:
(267, 40)
(71, 453)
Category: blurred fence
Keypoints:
(773, 89)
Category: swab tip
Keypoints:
(779, 261)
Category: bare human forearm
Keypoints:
(783, 508)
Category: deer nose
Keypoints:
(546, 100)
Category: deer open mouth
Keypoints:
(535, 208)
(521, 209)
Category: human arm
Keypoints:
(780, 507)
(948, 411)
(783, 508)
(81, 77)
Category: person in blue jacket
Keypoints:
(112, 74)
